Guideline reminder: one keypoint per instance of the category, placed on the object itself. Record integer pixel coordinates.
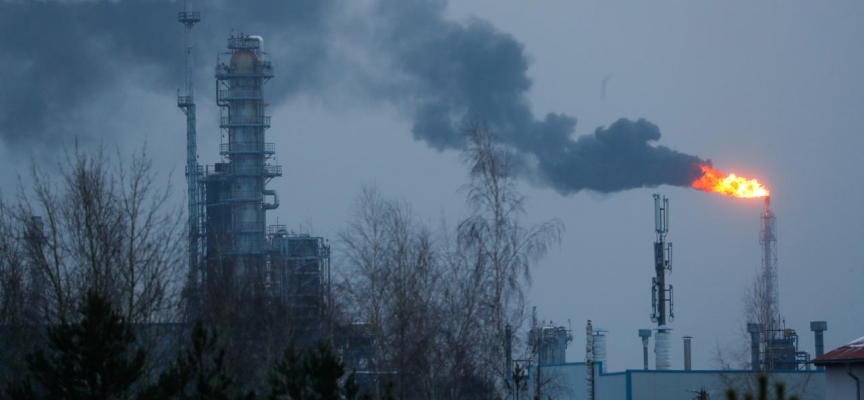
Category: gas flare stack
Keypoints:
(660, 294)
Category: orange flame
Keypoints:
(715, 181)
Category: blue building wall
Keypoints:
(568, 381)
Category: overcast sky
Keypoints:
(768, 89)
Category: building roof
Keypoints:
(852, 352)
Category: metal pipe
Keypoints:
(818, 328)
(645, 334)
(260, 40)
(589, 360)
(754, 330)
(857, 381)
(687, 352)
(275, 205)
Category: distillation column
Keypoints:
(240, 95)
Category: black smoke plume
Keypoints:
(472, 72)
(59, 55)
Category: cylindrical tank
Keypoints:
(662, 349)
(754, 330)
(589, 360)
(687, 353)
(600, 349)
(818, 328)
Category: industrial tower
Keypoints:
(660, 295)
(236, 207)
(768, 241)
(289, 267)
(186, 102)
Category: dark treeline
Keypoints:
(414, 312)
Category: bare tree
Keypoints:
(390, 283)
(755, 308)
(97, 224)
(502, 250)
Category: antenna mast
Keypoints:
(186, 102)
(660, 295)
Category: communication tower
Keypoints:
(660, 294)
(186, 102)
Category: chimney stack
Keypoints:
(687, 366)
(645, 334)
(754, 330)
(818, 327)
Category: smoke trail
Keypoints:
(473, 72)
(60, 55)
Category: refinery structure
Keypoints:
(228, 203)
(774, 348)
(229, 200)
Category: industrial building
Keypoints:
(774, 348)
(228, 206)
(844, 370)
(229, 200)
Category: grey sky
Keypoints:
(770, 90)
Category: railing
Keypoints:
(238, 121)
(192, 16)
(184, 101)
(243, 43)
(252, 170)
(273, 170)
(200, 169)
(274, 229)
(263, 69)
(247, 147)
(239, 94)
(242, 196)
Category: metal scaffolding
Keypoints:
(299, 275)
(236, 193)
(186, 102)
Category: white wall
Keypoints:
(838, 385)
(568, 382)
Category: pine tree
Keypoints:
(91, 359)
(316, 374)
(199, 372)
(762, 391)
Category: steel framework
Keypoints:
(235, 189)
(186, 102)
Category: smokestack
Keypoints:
(645, 334)
(818, 327)
(589, 360)
(687, 365)
(754, 330)
(600, 348)
(662, 349)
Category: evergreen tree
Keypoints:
(762, 391)
(91, 359)
(317, 374)
(198, 373)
